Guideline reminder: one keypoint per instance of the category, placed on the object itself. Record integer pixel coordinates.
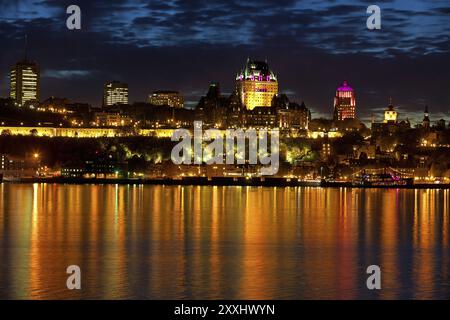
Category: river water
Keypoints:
(169, 242)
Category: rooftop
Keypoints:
(256, 70)
(345, 87)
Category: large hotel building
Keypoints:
(24, 82)
(115, 93)
(344, 103)
(256, 85)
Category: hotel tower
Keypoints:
(256, 85)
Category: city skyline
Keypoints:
(120, 94)
(311, 58)
(219, 156)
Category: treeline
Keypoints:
(56, 152)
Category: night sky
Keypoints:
(311, 45)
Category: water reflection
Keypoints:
(159, 242)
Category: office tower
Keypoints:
(24, 82)
(115, 93)
(344, 103)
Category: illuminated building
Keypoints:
(98, 168)
(54, 105)
(115, 93)
(344, 103)
(167, 98)
(73, 172)
(261, 118)
(326, 149)
(3, 162)
(294, 116)
(324, 134)
(390, 115)
(72, 132)
(111, 119)
(15, 166)
(391, 125)
(256, 85)
(24, 82)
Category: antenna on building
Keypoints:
(26, 46)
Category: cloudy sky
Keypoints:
(312, 45)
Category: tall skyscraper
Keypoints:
(256, 85)
(344, 103)
(24, 82)
(115, 93)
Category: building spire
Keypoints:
(26, 47)
(426, 119)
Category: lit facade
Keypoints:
(167, 98)
(344, 103)
(261, 118)
(107, 119)
(391, 125)
(256, 85)
(115, 93)
(390, 115)
(70, 132)
(24, 82)
(294, 117)
(3, 162)
(326, 150)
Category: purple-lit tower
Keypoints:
(344, 103)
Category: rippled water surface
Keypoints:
(157, 242)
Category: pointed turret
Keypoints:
(426, 119)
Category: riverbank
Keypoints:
(227, 181)
(186, 181)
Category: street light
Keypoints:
(37, 162)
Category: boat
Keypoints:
(382, 180)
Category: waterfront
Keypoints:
(204, 242)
